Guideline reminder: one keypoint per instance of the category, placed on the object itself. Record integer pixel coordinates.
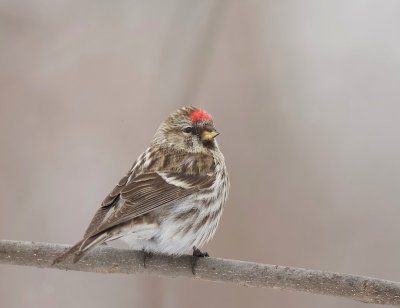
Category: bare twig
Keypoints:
(112, 260)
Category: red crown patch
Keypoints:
(200, 115)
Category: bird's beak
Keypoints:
(207, 135)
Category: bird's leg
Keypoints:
(197, 253)
(146, 255)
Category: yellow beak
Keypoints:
(207, 136)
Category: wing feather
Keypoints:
(107, 203)
(149, 191)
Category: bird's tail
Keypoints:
(80, 248)
(69, 252)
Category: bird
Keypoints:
(171, 199)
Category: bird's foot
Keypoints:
(146, 255)
(197, 253)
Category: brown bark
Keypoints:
(112, 260)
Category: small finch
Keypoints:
(172, 198)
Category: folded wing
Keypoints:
(145, 193)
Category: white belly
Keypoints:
(174, 238)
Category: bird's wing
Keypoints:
(146, 192)
(106, 205)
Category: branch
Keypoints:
(106, 259)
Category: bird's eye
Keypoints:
(188, 129)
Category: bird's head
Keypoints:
(188, 128)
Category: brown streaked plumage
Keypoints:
(172, 198)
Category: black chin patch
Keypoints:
(209, 144)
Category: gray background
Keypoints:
(305, 95)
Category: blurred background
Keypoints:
(305, 95)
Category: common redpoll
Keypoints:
(172, 198)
